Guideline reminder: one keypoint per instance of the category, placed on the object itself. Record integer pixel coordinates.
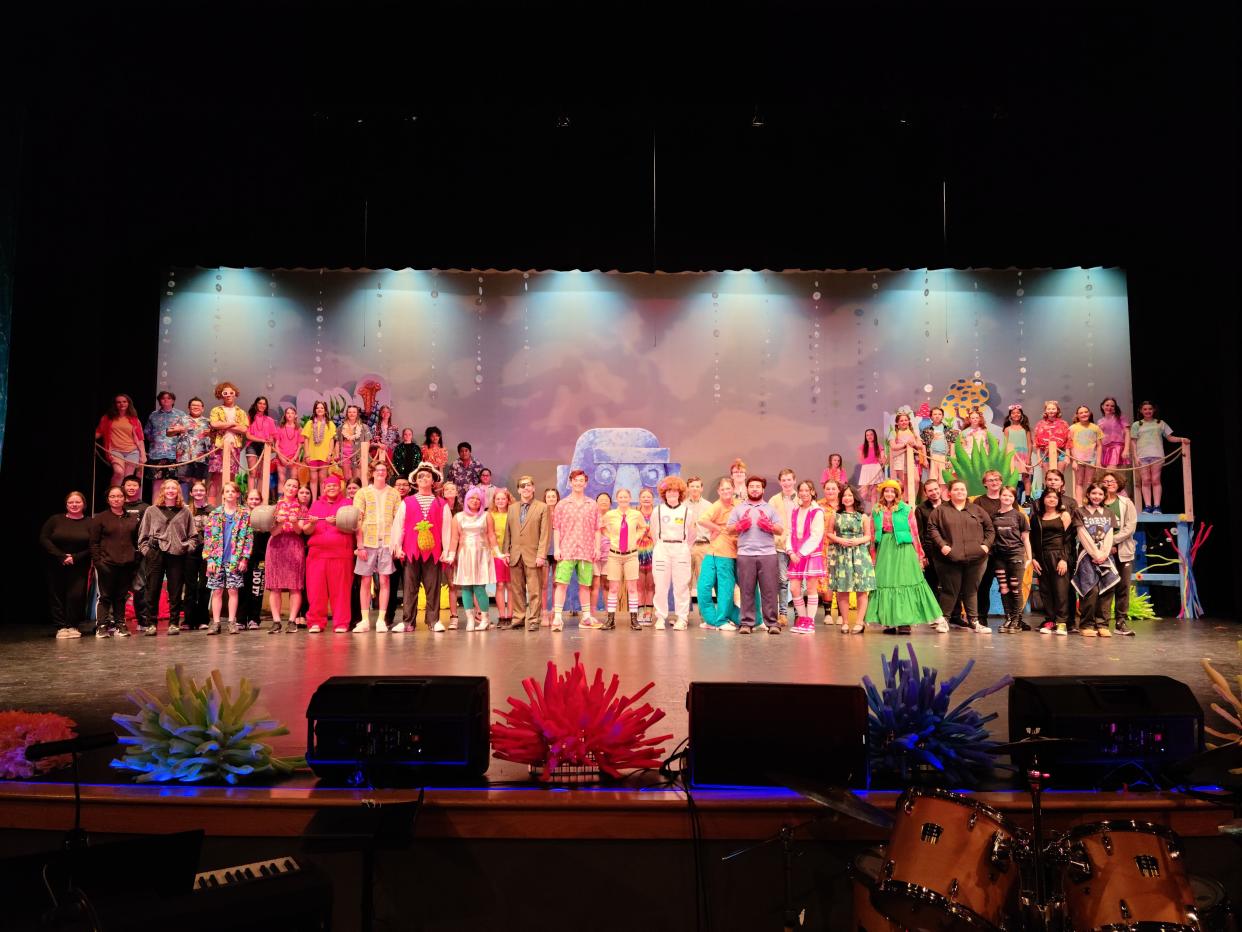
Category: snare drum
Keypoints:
(864, 872)
(950, 864)
(1122, 874)
(1212, 905)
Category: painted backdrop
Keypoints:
(780, 368)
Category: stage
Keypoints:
(486, 828)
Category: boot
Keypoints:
(611, 623)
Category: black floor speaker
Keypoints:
(1128, 729)
(752, 734)
(398, 730)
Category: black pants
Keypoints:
(984, 595)
(1091, 609)
(426, 573)
(933, 581)
(355, 598)
(66, 587)
(1053, 588)
(1008, 570)
(250, 599)
(114, 583)
(1116, 601)
(960, 580)
(159, 564)
(194, 602)
(396, 584)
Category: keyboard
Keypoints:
(245, 873)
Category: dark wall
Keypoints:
(318, 136)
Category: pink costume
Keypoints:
(329, 565)
(1045, 432)
(288, 440)
(1114, 440)
(832, 475)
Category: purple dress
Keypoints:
(286, 552)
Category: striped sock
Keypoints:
(612, 602)
(812, 604)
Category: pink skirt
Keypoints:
(285, 562)
(502, 570)
(812, 568)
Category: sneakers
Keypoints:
(727, 626)
(204, 626)
(774, 629)
(1060, 630)
(506, 624)
(659, 625)
(150, 631)
(276, 628)
(66, 633)
(252, 625)
(362, 627)
(313, 629)
(120, 631)
(940, 626)
(744, 629)
(980, 628)
(381, 626)
(214, 628)
(439, 628)
(1104, 632)
(1088, 632)
(174, 629)
(532, 626)
(803, 626)
(101, 632)
(1124, 630)
(452, 625)
(1046, 627)
(558, 624)
(680, 625)
(590, 622)
(234, 627)
(342, 629)
(398, 628)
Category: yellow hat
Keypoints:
(889, 484)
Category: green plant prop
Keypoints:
(199, 733)
(1141, 608)
(1232, 716)
(982, 458)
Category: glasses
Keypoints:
(526, 485)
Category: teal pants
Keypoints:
(480, 597)
(718, 573)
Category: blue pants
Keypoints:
(719, 573)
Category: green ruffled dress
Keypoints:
(901, 596)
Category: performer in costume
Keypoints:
(406, 455)
(286, 557)
(161, 442)
(670, 560)
(422, 536)
(377, 510)
(939, 440)
(964, 534)
(718, 574)
(1116, 434)
(261, 433)
(498, 508)
(1018, 444)
(575, 525)
(329, 560)
(352, 434)
(227, 543)
(1086, 446)
(120, 434)
(319, 442)
(1116, 602)
(871, 462)
(806, 557)
(849, 534)
(783, 502)
(476, 554)
(830, 503)
(1094, 573)
(1048, 429)
(525, 541)
(288, 445)
(757, 525)
(901, 437)
(974, 431)
(901, 597)
(1051, 545)
(228, 426)
(250, 598)
(834, 471)
(1010, 556)
(1149, 434)
(646, 547)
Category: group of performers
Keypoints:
(750, 559)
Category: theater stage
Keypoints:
(487, 829)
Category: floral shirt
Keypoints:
(465, 475)
(160, 446)
(194, 442)
(577, 527)
(239, 547)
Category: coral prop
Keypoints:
(1232, 716)
(912, 731)
(199, 733)
(983, 457)
(19, 730)
(1141, 608)
(577, 722)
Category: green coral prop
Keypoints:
(1141, 608)
(199, 733)
(983, 457)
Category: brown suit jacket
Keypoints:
(526, 542)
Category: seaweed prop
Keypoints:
(912, 731)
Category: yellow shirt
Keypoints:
(725, 543)
(376, 511)
(323, 450)
(499, 519)
(634, 522)
(220, 418)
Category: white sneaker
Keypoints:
(981, 628)
(64, 633)
(314, 629)
(679, 625)
(381, 626)
(727, 626)
(940, 626)
(469, 621)
(439, 628)
(398, 628)
(362, 627)
(586, 621)
(659, 625)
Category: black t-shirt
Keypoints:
(1010, 526)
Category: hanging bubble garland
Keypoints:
(166, 329)
(526, 326)
(379, 317)
(270, 381)
(317, 368)
(215, 329)
(1022, 367)
(478, 338)
(433, 387)
(861, 385)
(716, 346)
(816, 388)
(1089, 289)
(978, 358)
(927, 381)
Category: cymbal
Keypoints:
(1218, 760)
(1034, 744)
(837, 798)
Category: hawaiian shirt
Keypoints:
(160, 446)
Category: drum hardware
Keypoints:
(792, 917)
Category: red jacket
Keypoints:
(104, 431)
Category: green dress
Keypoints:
(850, 568)
(902, 596)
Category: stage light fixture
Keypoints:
(562, 121)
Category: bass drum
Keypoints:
(1124, 874)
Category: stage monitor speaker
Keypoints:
(1127, 727)
(398, 730)
(746, 734)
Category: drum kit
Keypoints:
(954, 863)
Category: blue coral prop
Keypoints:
(913, 733)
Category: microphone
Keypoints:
(70, 745)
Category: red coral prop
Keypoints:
(572, 722)
(19, 730)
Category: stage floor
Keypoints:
(87, 679)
